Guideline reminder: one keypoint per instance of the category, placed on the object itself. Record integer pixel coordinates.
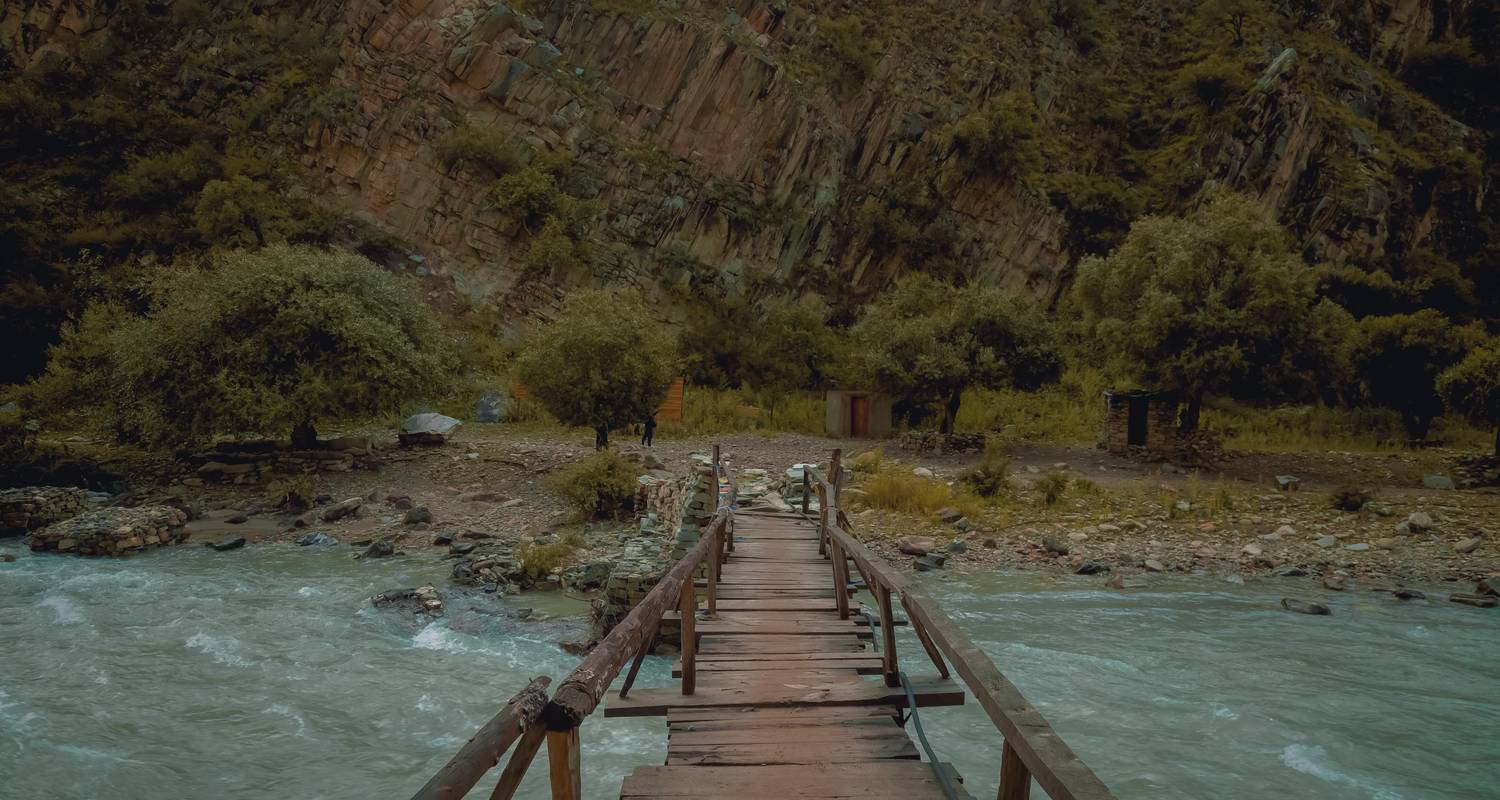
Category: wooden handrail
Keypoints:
(1032, 749)
(483, 750)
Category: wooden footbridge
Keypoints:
(789, 687)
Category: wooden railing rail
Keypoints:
(1032, 749)
(580, 693)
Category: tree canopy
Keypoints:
(1215, 301)
(1472, 387)
(925, 342)
(271, 340)
(1398, 359)
(603, 363)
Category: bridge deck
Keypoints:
(783, 707)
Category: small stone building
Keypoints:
(856, 415)
(1141, 423)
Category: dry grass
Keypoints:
(900, 491)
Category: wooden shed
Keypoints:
(856, 414)
(1141, 422)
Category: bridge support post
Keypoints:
(836, 473)
(688, 606)
(887, 637)
(562, 761)
(1015, 779)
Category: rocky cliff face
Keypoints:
(702, 143)
(708, 154)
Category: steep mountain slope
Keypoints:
(700, 149)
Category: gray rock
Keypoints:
(930, 562)
(1305, 607)
(462, 548)
(1252, 549)
(344, 509)
(417, 515)
(958, 546)
(1358, 548)
(379, 549)
(1326, 541)
(1408, 594)
(443, 539)
(1489, 585)
(1056, 546)
(237, 518)
(991, 543)
(1437, 481)
(922, 472)
(1379, 510)
(1468, 545)
(1289, 571)
(7, 558)
(1419, 522)
(1333, 583)
(316, 539)
(1118, 581)
(949, 515)
(230, 543)
(1476, 600)
(916, 545)
(1153, 565)
(1288, 483)
(1091, 568)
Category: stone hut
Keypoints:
(856, 415)
(1141, 423)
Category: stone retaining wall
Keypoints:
(256, 462)
(24, 510)
(114, 532)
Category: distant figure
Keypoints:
(650, 431)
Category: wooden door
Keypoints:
(859, 417)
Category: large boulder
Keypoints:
(426, 429)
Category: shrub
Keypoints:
(539, 560)
(1052, 485)
(988, 479)
(601, 486)
(1213, 82)
(868, 461)
(1003, 141)
(1350, 498)
(480, 147)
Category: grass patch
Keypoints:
(711, 411)
(900, 491)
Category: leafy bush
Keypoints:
(987, 479)
(1213, 82)
(480, 147)
(539, 560)
(1003, 141)
(1052, 485)
(601, 486)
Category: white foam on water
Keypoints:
(439, 637)
(1221, 712)
(1313, 760)
(66, 610)
(283, 710)
(224, 649)
(426, 703)
(309, 591)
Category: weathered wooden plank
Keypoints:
(837, 751)
(710, 646)
(655, 702)
(780, 715)
(879, 780)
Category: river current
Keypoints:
(265, 673)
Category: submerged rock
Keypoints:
(421, 598)
(930, 562)
(1408, 594)
(316, 539)
(230, 543)
(1305, 607)
(381, 549)
(1091, 568)
(1476, 600)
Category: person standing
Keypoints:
(650, 433)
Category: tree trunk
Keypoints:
(1188, 424)
(304, 436)
(950, 412)
(1497, 442)
(601, 438)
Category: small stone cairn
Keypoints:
(24, 510)
(114, 532)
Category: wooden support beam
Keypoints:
(840, 579)
(563, 765)
(713, 575)
(483, 750)
(520, 761)
(1015, 779)
(888, 636)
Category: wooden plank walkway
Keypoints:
(783, 706)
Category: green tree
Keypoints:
(1213, 302)
(603, 363)
(239, 212)
(925, 342)
(1472, 387)
(1398, 360)
(1004, 141)
(792, 349)
(271, 340)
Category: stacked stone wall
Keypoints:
(249, 463)
(24, 510)
(114, 532)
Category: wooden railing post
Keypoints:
(822, 520)
(562, 762)
(887, 637)
(1015, 779)
(806, 490)
(688, 606)
(840, 579)
(716, 531)
(836, 473)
